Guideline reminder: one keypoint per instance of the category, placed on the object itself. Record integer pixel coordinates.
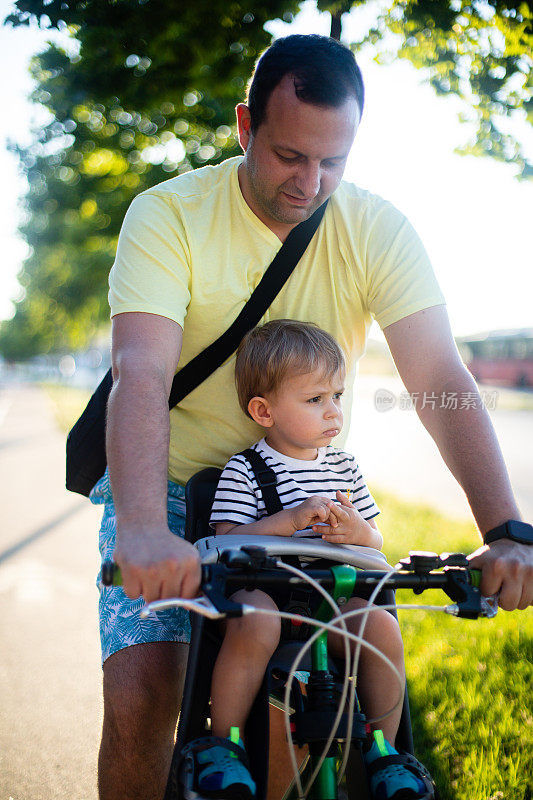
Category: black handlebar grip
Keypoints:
(111, 575)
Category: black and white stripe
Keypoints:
(239, 500)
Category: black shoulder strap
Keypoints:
(206, 362)
(266, 480)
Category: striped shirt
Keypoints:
(238, 498)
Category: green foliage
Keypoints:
(481, 51)
(143, 94)
(147, 90)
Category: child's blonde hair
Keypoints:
(269, 353)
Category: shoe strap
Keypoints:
(383, 762)
(404, 759)
(207, 742)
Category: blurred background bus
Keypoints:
(502, 358)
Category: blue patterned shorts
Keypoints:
(120, 622)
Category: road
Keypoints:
(397, 454)
(50, 702)
(50, 707)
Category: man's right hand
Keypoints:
(157, 564)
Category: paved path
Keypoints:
(50, 707)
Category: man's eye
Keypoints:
(288, 159)
(314, 399)
(337, 395)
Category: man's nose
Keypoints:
(308, 180)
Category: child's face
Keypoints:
(306, 413)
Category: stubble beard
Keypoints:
(273, 205)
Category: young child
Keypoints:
(290, 380)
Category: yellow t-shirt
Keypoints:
(192, 250)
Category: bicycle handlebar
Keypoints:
(250, 567)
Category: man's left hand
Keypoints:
(507, 568)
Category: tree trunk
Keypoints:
(336, 25)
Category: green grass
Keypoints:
(470, 682)
(510, 399)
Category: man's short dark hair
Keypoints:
(325, 74)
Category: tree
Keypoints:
(480, 50)
(147, 91)
(140, 97)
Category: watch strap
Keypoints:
(513, 529)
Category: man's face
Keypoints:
(296, 158)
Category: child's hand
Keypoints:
(349, 526)
(314, 509)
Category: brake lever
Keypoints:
(469, 602)
(200, 605)
(462, 582)
(214, 604)
(488, 607)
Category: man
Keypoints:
(190, 253)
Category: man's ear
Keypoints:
(259, 410)
(244, 123)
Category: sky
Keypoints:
(474, 217)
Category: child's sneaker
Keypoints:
(223, 771)
(396, 777)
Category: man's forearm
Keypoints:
(154, 562)
(137, 448)
(467, 442)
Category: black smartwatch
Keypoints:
(513, 529)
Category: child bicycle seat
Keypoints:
(206, 639)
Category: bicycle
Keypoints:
(328, 715)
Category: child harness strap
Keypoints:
(266, 480)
